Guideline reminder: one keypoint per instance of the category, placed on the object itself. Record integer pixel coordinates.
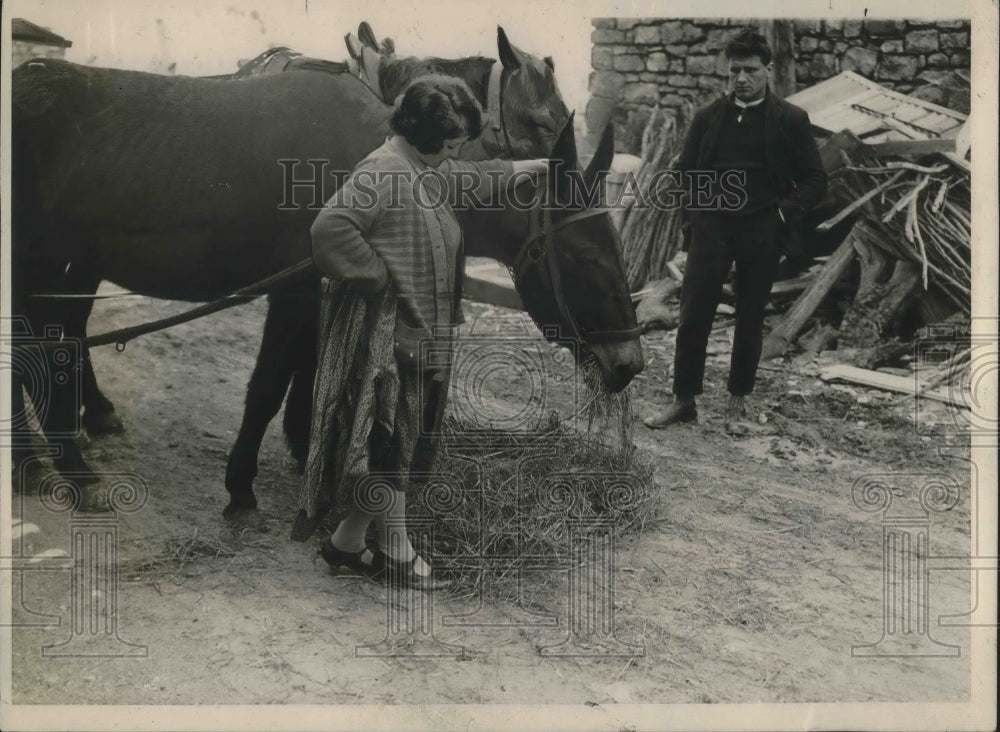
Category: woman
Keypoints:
(389, 245)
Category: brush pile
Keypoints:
(651, 234)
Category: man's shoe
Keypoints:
(736, 420)
(672, 415)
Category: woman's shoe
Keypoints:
(403, 573)
(352, 560)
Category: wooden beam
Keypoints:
(778, 340)
(888, 382)
(912, 147)
(490, 284)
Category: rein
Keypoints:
(541, 227)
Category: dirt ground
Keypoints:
(753, 582)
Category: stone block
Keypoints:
(808, 44)
(658, 61)
(960, 59)
(672, 32)
(645, 35)
(649, 76)
(852, 28)
(717, 38)
(692, 32)
(952, 24)
(602, 57)
(676, 66)
(629, 62)
(860, 60)
(930, 93)
(628, 23)
(937, 60)
(604, 35)
(840, 47)
(675, 50)
(833, 25)
(823, 66)
(598, 112)
(884, 28)
(642, 93)
(604, 23)
(700, 65)
(894, 45)
(954, 40)
(921, 41)
(679, 80)
(896, 68)
(610, 84)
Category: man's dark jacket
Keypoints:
(791, 158)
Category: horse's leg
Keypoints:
(59, 401)
(265, 392)
(298, 404)
(98, 411)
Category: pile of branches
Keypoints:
(651, 235)
(920, 213)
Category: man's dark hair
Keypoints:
(749, 42)
(436, 108)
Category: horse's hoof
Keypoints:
(239, 506)
(107, 423)
(245, 518)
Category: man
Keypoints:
(753, 171)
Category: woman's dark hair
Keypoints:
(436, 108)
(749, 42)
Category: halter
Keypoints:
(541, 227)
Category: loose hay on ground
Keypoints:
(507, 502)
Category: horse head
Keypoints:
(530, 108)
(565, 254)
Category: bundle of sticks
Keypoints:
(922, 214)
(651, 234)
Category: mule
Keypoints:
(169, 186)
(563, 258)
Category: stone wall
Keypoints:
(640, 62)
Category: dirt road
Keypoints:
(755, 580)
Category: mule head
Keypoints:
(570, 272)
(533, 109)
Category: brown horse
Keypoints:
(171, 187)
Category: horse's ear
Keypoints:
(510, 57)
(550, 63)
(565, 146)
(603, 155)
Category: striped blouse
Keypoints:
(392, 222)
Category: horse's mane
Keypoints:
(474, 70)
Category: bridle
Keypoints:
(530, 253)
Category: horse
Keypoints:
(161, 185)
(563, 258)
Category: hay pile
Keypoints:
(513, 501)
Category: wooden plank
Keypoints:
(887, 382)
(778, 340)
(911, 147)
(490, 284)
